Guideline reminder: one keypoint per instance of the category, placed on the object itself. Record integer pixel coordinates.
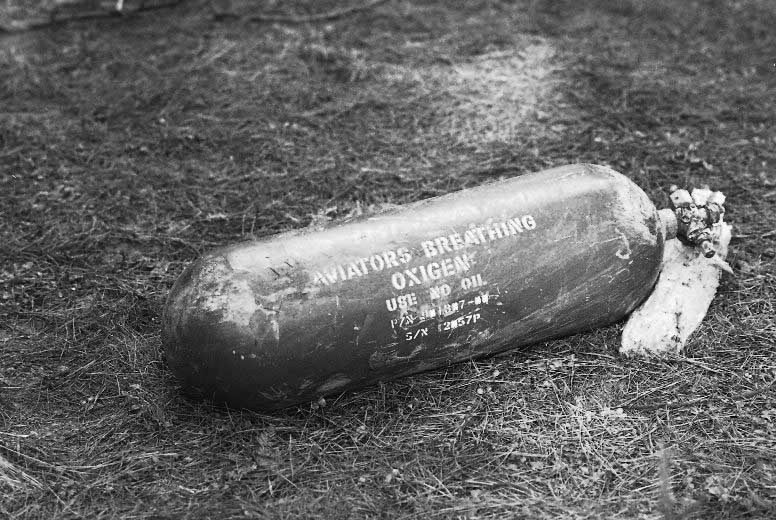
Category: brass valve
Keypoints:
(696, 214)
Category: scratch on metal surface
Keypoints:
(624, 252)
(335, 382)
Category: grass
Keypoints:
(130, 146)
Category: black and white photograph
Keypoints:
(388, 259)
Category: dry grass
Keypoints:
(128, 147)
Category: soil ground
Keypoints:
(130, 145)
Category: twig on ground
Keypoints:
(327, 16)
(17, 26)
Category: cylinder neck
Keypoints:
(668, 221)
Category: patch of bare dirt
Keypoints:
(496, 97)
(500, 96)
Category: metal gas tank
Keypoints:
(283, 320)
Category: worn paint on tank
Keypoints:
(280, 321)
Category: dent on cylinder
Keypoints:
(215, 332)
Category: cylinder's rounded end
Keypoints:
(215, 335)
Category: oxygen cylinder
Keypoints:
(287, 319)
